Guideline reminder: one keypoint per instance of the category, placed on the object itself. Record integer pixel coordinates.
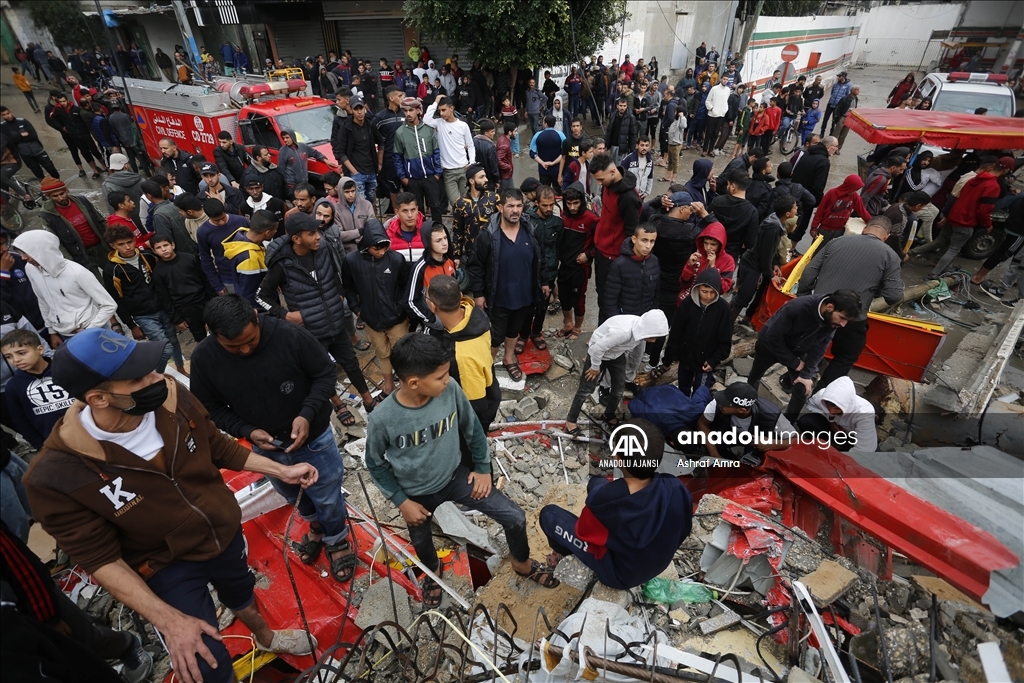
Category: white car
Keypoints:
(964, 92)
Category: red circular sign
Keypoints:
(790, 52)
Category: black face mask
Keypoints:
(147, 399)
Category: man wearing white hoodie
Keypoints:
(608, 350)
(71, 299)
(718, 106)
(847, 419)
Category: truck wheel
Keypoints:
(982, 244)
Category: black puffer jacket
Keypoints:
(676, 241)
(231, 164)
(785, 187)
(375, 288)
(759, 193)
(319, 301)
(483, 266)
(633, 285)
(812, 171)
(700, 334)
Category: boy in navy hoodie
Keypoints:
(630, 528)
(35, 402)
(701, 333)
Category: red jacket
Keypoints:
(774, 116)
(505, 167)
(620, 214)
(724, 263)
(411, 248)
(973, 208)
(838, 205)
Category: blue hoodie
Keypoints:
(36, 403)
(641, 531)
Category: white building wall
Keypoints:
(900, 35)
(828, 41)
(26, 31)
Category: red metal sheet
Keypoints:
(892, 348)
(938, 128)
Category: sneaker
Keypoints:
(633, 388)
(1012, 303)
(994, 291)
(289, 641)
(137, 662)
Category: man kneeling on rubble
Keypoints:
(630, 528)
(839, 417)
(740, 425)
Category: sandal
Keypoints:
(515, 373)
(554, 306)
(656, 373)
(564, 332)
(539, 343)
(541, 574)
(361, 345)
(360, 325)
(96, 175)
(553, 558)
(432, 592)
(610, 419)
(574, 335)
(344, 415)
(308, 549)
(343, 568)
(575, 432)
(520, 346)
(368, 407)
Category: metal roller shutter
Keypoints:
(372, 38)
(298, 40)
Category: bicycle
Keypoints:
(789, 138)
(10, 217)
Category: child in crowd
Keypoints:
(375, 280)
(412, 452)
(710, 253)
(510, 114)
(181, 283)
(432, 263)
(836, 207)
(351, 211)
(35, 402)
(128, 277)
(26, 88)
(575, 252)
(631, 527)
(837, 409)
(246, 251)
(124, 205)
(701, 335)
(610, 345)
(469, 330)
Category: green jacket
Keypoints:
(417, 154)
(549, 232)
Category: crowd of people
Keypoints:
(254, 261)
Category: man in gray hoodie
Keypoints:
(293, 157)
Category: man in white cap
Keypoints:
(120, 177)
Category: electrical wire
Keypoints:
(291, 575)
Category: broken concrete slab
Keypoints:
(798, 675)
(574, 573)
(742, 366)
(828, 582)
(459, 528)
(376, 606)
(555, 372)
(680, 615)
(722, 621)
(526, 408)
(562, 361)
(602, 592)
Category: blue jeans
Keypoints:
(14, 507)
(534, 122)
(323, 501)
(574, 105)
(158, 327)
(366, 185)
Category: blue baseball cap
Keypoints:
(99, 355)
(680, 199)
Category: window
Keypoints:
(260, 130)
(998, 104)
(312, 125)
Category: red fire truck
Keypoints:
(252, 109)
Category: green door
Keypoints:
(7, 42)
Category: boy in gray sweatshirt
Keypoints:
(413, 454)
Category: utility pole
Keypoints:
(186, 30)
(748, 28)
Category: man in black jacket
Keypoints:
(736, 214)
(232, 198)
(622, 131)
(760, 264)
(67, 118)
(266, 171)
(178, 162)
(76, 223)
(487, 152)
(362, 150)
(743, 162)
(375, 279)
(309, 277)
(812, 174)
(248, 375)
(760, 188)
(815, 91)
(505, 275)
(797, 336)
(230, 158)
(23, 135)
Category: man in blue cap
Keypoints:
(128, 483)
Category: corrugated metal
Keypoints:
(372, 39)
(298, 40)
